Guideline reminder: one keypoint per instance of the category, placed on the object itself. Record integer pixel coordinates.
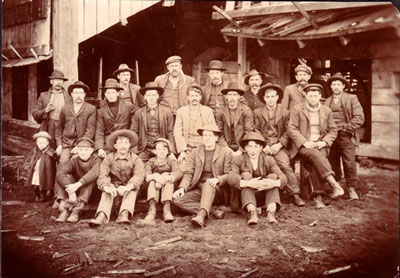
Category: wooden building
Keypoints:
(359, 39)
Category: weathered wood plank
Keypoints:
(32, 90)
(387, 152)
(385, 113)
(386, 64)
(381, 80)
(6, 97)
(90, 17)
(384, 96)
(126, 8)
(18, 145)
(385, 49)
(385, 140)
(102, 15)
(380, 129)
(396, 82)
(20, 128)
(241, 60)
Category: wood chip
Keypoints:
(312, 224)
(89, 260)
(70, 268)
(224, 260)
(126, 271)
(8, 231)
(336, 270)
(312, 249)
(29, 214)
(280, 248)
(118, 263)
(167, 241)
(57, 255)
(34, 238)
(157, 272)
(12, 203)
(47, 232)
(247, 274)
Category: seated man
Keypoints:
(121, 175)
(271, 121)
(312, 130)
(77, 178)
(257, 176)
(204, 180)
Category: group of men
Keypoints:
(235, 148)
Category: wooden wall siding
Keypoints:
(6, 94)
(32, 32)
(95, 16)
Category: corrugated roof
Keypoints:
(294, 26)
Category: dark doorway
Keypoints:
(20, 93)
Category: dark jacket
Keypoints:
(281, 123)
(169, 166)
(354, 115)
(107, 123)
(72, 126)
(292, 96)
(166, 120)
(252, 100)
(299, 126)
(222, 162)
(134, 97)
(47, 169)
(85, 172)
(243, 123)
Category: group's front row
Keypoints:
(212, 177)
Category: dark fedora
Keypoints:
(252, 136)
(111, 83)
(254, 72)
(173, 59)
(212, 128)
(58, 75)
(195, 86)
(313, 87)
(163, 140)
(122, 132)
(151, 86)
(78, 84)
(340, 77)
(304, 68)
(215, 65)
(122, 68)
(85, 142)
(232, 86)
(267, 86)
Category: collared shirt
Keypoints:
(57, 98)
(195, 122)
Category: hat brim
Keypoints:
(225, 91)
(200, 131)
(36, 136)
(261, 92)
(158, 89)
(221, 69)
(116, 72)
(123, 132)
(58, 77)
(112, 87)
(165, 142)
(82, 86)
(334, 78)
(262, 74)
(244, 142)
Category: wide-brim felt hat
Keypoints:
(215, 65)
(78, 84)
(58, 75)
(164, 140)
(232, 86)
(41, 134)
(313, 86)
(122, 68)
(212, 128)
(111, 83)
(122, 132)
(339, 77)
(252, 136)
(151, 86)
(85, 142)
(263, 89)
(255, 72)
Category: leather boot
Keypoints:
(167, 215)
(151, 214)
(217, 213)
(271, 217)
(36, 191)
(63, 207)
(74, 217)
(298, 201)
(100, 219)
(353, 194)
(337, 189)
(253, 220)
(318, 202)
(42, 196)
(123, 218)
(199, 219)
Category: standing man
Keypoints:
(254, 171)
(272, 122)
(254, 80)
(234, 120)
(49, 104)
(349, 116)
(205, 178)
(152, 122)
(313, 130)
(188, 120)
(175, 84)
(294, 93)
(213, 97)
(130, 91)
(115, 114)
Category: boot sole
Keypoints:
(197, 224)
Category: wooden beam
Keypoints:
(6, 97)
(386, 152)
(306, 15)
(301, 44)
(32, 90)
(241, 60)
(100, 79)
(225, 15)
(344, 40)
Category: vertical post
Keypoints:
(32, 90)
(100, 79)
(241, 60)
(65, 38)
(6, 96)
(137, 71)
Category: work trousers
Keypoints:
(64, 156)
(202, 197)
(283, 160)
(82, 194)
(107, 201)
(166, 192)
(345, 149)
(250, 196)
(316, 162)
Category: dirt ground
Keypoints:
(363, 234)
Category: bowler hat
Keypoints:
(122, 132)
(304, 68)
(111, 83)
(166, 141)
(195, 86)
(313, 87)
(340, 77)
(254, 72)
(84, 142)
(173, 59)
(42, 134)
(252, 136)
(122, 68)
(232, 86)
(212, 128)
(151, 86)
(215, 65)
(78, 84)
(264, 88)
(58, 75)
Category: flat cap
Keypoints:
(173, 59)
(304, 68)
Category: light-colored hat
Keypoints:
(122, 68)
(42, 134)
(173, 59)
(212, 128)
(122, 132)
(254, 72)
(304, 68)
